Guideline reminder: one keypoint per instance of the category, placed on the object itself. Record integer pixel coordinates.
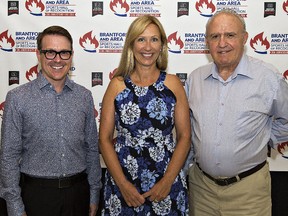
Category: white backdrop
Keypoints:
(99, 27)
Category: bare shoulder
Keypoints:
(118, 81)
(115, 86)
(173, 82)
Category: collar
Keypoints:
(241, 69)
(43, 82)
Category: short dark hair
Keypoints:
(54, 30)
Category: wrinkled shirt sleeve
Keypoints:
(10, 153)
(189, 160)
(280, 107)
(93, 159)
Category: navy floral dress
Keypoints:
(144, 145)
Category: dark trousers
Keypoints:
(48, 201)
(3, 207)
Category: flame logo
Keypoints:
(283, 149)
(96, 113)
(6, 42)
(285, 6)
(205, 8)
(88, 42)
(285, 75)
(259, 44)
(175, 44)
(35, 7)
(119, 7)
(32, 73)
(111, 74)
(2, 109)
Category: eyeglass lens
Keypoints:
(51, 54)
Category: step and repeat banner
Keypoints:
(99, 28)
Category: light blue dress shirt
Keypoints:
(233, 120)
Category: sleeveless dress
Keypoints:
(144, 145)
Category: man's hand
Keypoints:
(93, 209)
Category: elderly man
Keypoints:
(238, 105)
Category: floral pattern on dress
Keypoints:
(144, 146)
(130, 113)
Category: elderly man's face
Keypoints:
(225, 38)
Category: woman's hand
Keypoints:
(159, 191)
(131, 195)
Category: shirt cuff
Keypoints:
(15, 208)
(94, 196)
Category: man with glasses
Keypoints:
(49, 138)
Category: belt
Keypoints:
(231, 180)
(63, 182)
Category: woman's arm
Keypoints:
(106, 132)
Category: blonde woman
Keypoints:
(144, 103)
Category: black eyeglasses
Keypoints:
(51, 54)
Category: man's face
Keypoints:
(55, 70)
(225, 38)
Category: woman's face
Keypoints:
(147, 47)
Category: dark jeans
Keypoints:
(47, 201)
(3, 207)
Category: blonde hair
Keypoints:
(137, 27)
